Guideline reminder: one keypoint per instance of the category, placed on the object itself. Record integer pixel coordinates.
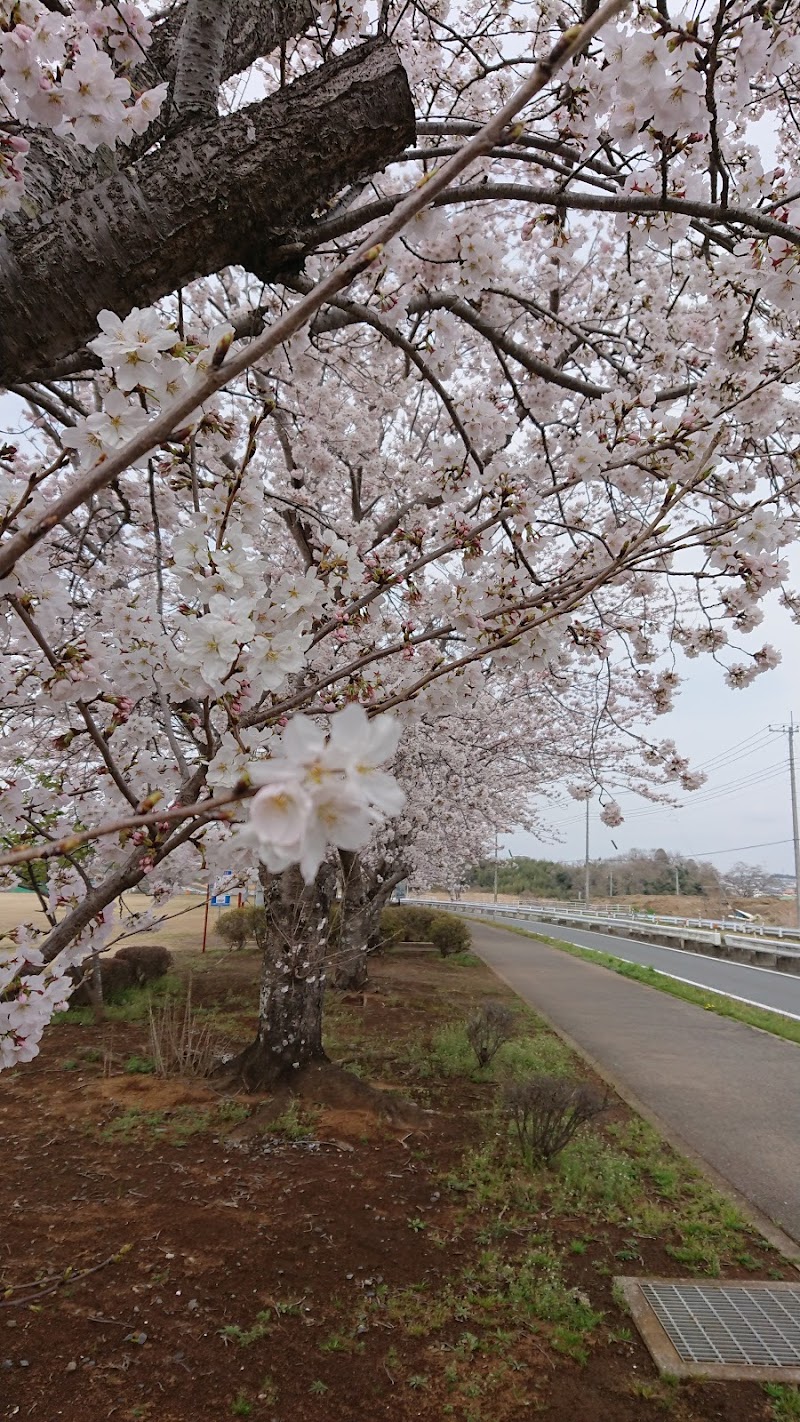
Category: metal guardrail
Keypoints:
(724, 935)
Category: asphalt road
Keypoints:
(760, 986)
(730, 1092)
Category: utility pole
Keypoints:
(791, 731)
(611, 883)
(586, 894)
(677, 881)
(495, 866)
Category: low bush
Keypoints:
(414, 923)
(406, 923)
(116, 977)
(258, 924)
(148, 961)
(392, 927)
(547, 1111)
(449, 934)
(490, 1026)
(235, 926)
(239, 925)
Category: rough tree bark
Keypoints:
(254, 28)
(349, 962)
(57, 168)
(201, 56)
(363, 899)
(221, 192)
(293, 975)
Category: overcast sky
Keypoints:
(745, 803)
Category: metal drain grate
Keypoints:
(719, 1329)
(735, 1324)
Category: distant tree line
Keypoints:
(639, 872)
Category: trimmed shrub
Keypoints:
(488, 1029)
(257, 919)
(547, 1111)
(449, 934)
(393, 926)
(235, 926)
(148, 961)
(407, 923)
(116, 976)
(413, 923)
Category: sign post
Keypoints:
(205, 919)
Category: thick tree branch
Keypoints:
(102, 473)
(256, 28)
(218, 193)
(201, 55)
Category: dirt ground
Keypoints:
(170, 1253)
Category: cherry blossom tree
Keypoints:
(354, 365)
(492, 761)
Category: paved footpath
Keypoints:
(762, 987)
(730, 1092)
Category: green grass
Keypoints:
(132, 1005)
(244, 1337)
(176, 1126)
(510, 1293)
(785, 1401)
(773, 1022)
(295, 1123)
(447, 1053)
(624, 1175)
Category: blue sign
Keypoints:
(221, 900)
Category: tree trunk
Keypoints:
(363, 901)
(95, 987)
(255, 29)
(348, 963)
(292, 979)
(227, 191)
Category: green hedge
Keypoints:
(414, 923)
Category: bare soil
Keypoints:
(170, 1253)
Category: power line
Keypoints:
(707, 794)
(728, 787)
(734, 849)
(751, 750)
(742, 746)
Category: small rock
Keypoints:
(193, 1304)
(138, 1338)
(72, 1367)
